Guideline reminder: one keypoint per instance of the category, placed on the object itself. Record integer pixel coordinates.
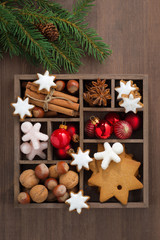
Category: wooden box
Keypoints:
(137, 145)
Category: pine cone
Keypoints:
(49, 31)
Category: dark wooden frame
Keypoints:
(81, 78)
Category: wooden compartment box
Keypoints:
(137, 145)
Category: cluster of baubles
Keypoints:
(112, 123)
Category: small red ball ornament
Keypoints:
(112, 117)
(134, 120)
(103, 129)
(64, 153)
(90, 126)
(60, 138)
(122, 130)
(73, 132)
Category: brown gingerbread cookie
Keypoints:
(118, 179)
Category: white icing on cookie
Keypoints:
(27, 148)
(109, 154)
(45, 81)
(77, 201)
(81, 159)
(33, 134)
(22, 107)
(125, 88)
(131, 103)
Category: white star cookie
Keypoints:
(22, 107)
(77, 201)
(125, 88)
(33, 134)
(81, 159)
(131, 103)
(109, 154)
(45, 81)
(27, 148)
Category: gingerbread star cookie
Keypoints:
(131, 102)
(77, 201)
(81, 159)
(117, 180)
(45, 81)
(125, 88)
(22, 108)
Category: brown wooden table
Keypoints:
(131, 27)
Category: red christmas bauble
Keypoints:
(60, 138)
(134, 120)
(73, 132)
(63, 153)
(112, 117)
(90, 126)
(122, 130)
(103, 129)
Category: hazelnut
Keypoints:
(60, 85)
(28, 178)
(23, 198)
(42, 171)
(51, 183)
(62, 167)
(69, 179)
(59, 190)
(72, 86)
(63, 198)
(53, 172)
(38, 112)
(39, 193)
(51, 197)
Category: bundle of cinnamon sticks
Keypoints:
(60, 102)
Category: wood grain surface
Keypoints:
(131, 27)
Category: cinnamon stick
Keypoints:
(59, 102)
(54, 108)
(34, 87)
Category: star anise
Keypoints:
(97, 93)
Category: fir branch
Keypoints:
(82, 7)
(69, 63)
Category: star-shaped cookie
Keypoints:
(45, 81)
(117, 180)
(77, 201)
(81, 159)
(22, 108)
(125, 88)
(131, 102)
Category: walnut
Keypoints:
(28, 178)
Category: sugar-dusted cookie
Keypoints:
(118, 179)
(81, 159)
(22, 108)
(131, 102)
(28, 149)
(125, 88)
(33, 134)
(45, 81)
(109, 154)
(77, 201)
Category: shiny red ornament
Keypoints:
(63, 153)
(60, 138)
(134, 120)
(122, 130)
(103, 129)
(112, 117)
(73, 132)
(90, 126)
